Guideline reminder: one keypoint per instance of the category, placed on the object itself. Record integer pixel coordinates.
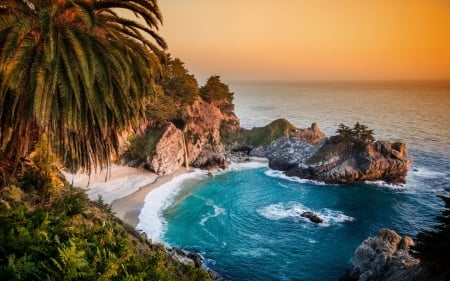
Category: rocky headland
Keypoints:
(209, 136)
(333, 161)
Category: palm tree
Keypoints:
(77, 71)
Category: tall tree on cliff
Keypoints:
(433, 246)
(215, 91)
(179, 88)
(77, 71)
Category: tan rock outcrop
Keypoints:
(195, 142)
(385, 257)
(169, 152)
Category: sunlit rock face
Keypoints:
(195, 140)
(335, 162)
(385, 257)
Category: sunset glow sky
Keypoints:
(310, 39)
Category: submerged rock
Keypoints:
(312, 217)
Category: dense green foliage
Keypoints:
(178, 84)
(348, 141)
(358, 134)
(178, 88)
(259, 136)
(53, 232)
(216, 90)
(77, 71)
(433, 246)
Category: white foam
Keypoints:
(217, 212)
(383, 184)
(282, 175)
(282, 185)
(418, 177)
(423, 172)
(247, 165)
(293, 210)
(334, 217)
(151, 220)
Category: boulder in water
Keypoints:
(312, 217)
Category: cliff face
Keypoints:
(385, 257)
(334, 162)
(194, 140)
(169, 153)
(203, 134)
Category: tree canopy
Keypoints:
(215, 90)
(359, 133)
(77, 71)
(178, 88)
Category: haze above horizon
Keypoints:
(310, 40)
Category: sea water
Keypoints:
(246, 222)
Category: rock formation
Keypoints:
(385, 257)
(280, 128)
(333, 161)
(195, 140)
(168, 155)
(203, 136)
(312, 217)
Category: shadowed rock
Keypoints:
(312, 217)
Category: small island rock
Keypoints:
(312, 217)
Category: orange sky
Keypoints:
(310, 39)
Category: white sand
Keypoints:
(123, 187)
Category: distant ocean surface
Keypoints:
(245, 222)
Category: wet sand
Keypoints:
(129, 207)
(125, 188)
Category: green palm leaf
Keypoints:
(77, 71)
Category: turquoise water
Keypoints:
(246, 222)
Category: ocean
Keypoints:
(245, 221)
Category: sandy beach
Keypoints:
(128, 208)
(125, 188)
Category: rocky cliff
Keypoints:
(385, 257)
(335, 161)
(194, 140)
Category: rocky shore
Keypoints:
(386, 257)
(332, 163)
(209, 136)
(209, 133)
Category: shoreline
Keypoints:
(126, 188)
(128, 208)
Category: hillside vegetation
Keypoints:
(51, 231)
